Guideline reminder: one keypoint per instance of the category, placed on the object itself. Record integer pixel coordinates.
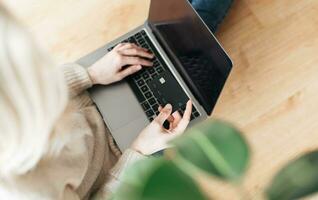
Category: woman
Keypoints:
(53, 142)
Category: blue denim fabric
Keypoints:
(212, 11)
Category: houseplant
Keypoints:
(211, 149)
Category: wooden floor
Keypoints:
(272, 94)
(273, 91)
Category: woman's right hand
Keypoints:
(109, 69)
(155, 137)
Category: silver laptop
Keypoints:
(189, 63)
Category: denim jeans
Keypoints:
(212, 11)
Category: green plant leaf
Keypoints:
(157, 179)
(298, 179)
(215, 147)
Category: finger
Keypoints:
(129, 71)
(124, 45)
(136, 52)
(130, 46)
(185, 119)
(177, 117)
(141, 48)
(164, 114)
(188, 111)
(118, 46)
(170, 118)
(127, 60)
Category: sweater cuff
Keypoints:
(127, 159)
(77, 78)
(116, 173)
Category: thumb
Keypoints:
(164, 114)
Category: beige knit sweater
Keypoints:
(86, 166)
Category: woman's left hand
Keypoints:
(155, 137)
(109, 69)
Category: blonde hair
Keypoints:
(33, 95)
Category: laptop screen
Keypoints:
(192, 48)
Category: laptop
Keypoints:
(189, 63)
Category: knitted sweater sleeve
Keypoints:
(77, 79)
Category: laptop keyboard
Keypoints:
(139, 81)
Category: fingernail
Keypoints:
(139, 67)
(169, 106)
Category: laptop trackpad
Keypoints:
(118, 104)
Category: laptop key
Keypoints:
(138, 38)
(159, 70)
(145, 105)
(138, 35)
(149, 113)
(141, 82)
(154, 75)
(152, 70)
(144, 88)
(155, 63)
(140, 41)
(157, 67)
(132, 40)
(145, 46)
(148, 95)
(137, 76)
(152, 101)
(145, 75)
(155, 107)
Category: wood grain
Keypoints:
(272, 93)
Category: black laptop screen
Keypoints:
(202, 62)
